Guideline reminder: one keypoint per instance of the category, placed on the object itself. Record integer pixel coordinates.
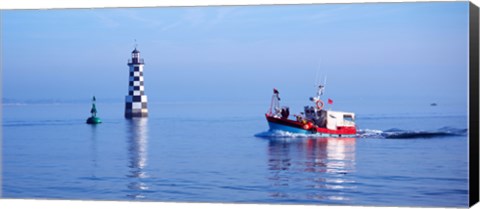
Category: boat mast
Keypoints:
(275, 103)
(317, 100)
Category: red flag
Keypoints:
(330, 101)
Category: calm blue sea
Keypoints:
(404, 155)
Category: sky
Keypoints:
(368, 52)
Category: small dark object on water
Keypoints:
(94, 119)
(433, 104)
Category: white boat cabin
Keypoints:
(337, 119)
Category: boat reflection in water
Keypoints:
(137, 155)
(312, 169)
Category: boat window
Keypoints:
(348, 118)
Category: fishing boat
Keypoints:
(314, 120)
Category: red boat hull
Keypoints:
(285, 124)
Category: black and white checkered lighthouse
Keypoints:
(136, 100)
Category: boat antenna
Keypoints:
(324, 83)
(316, 75)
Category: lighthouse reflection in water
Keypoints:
(312, 169)
(137, 156)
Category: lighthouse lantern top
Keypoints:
(135, 58)
(135, 53)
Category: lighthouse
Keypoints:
(136, 100)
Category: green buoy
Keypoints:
(94, 119)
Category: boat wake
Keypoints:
(406, 134)
(375, 134)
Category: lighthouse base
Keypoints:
(136, 106)
(136, 113)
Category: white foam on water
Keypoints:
(284, 134)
